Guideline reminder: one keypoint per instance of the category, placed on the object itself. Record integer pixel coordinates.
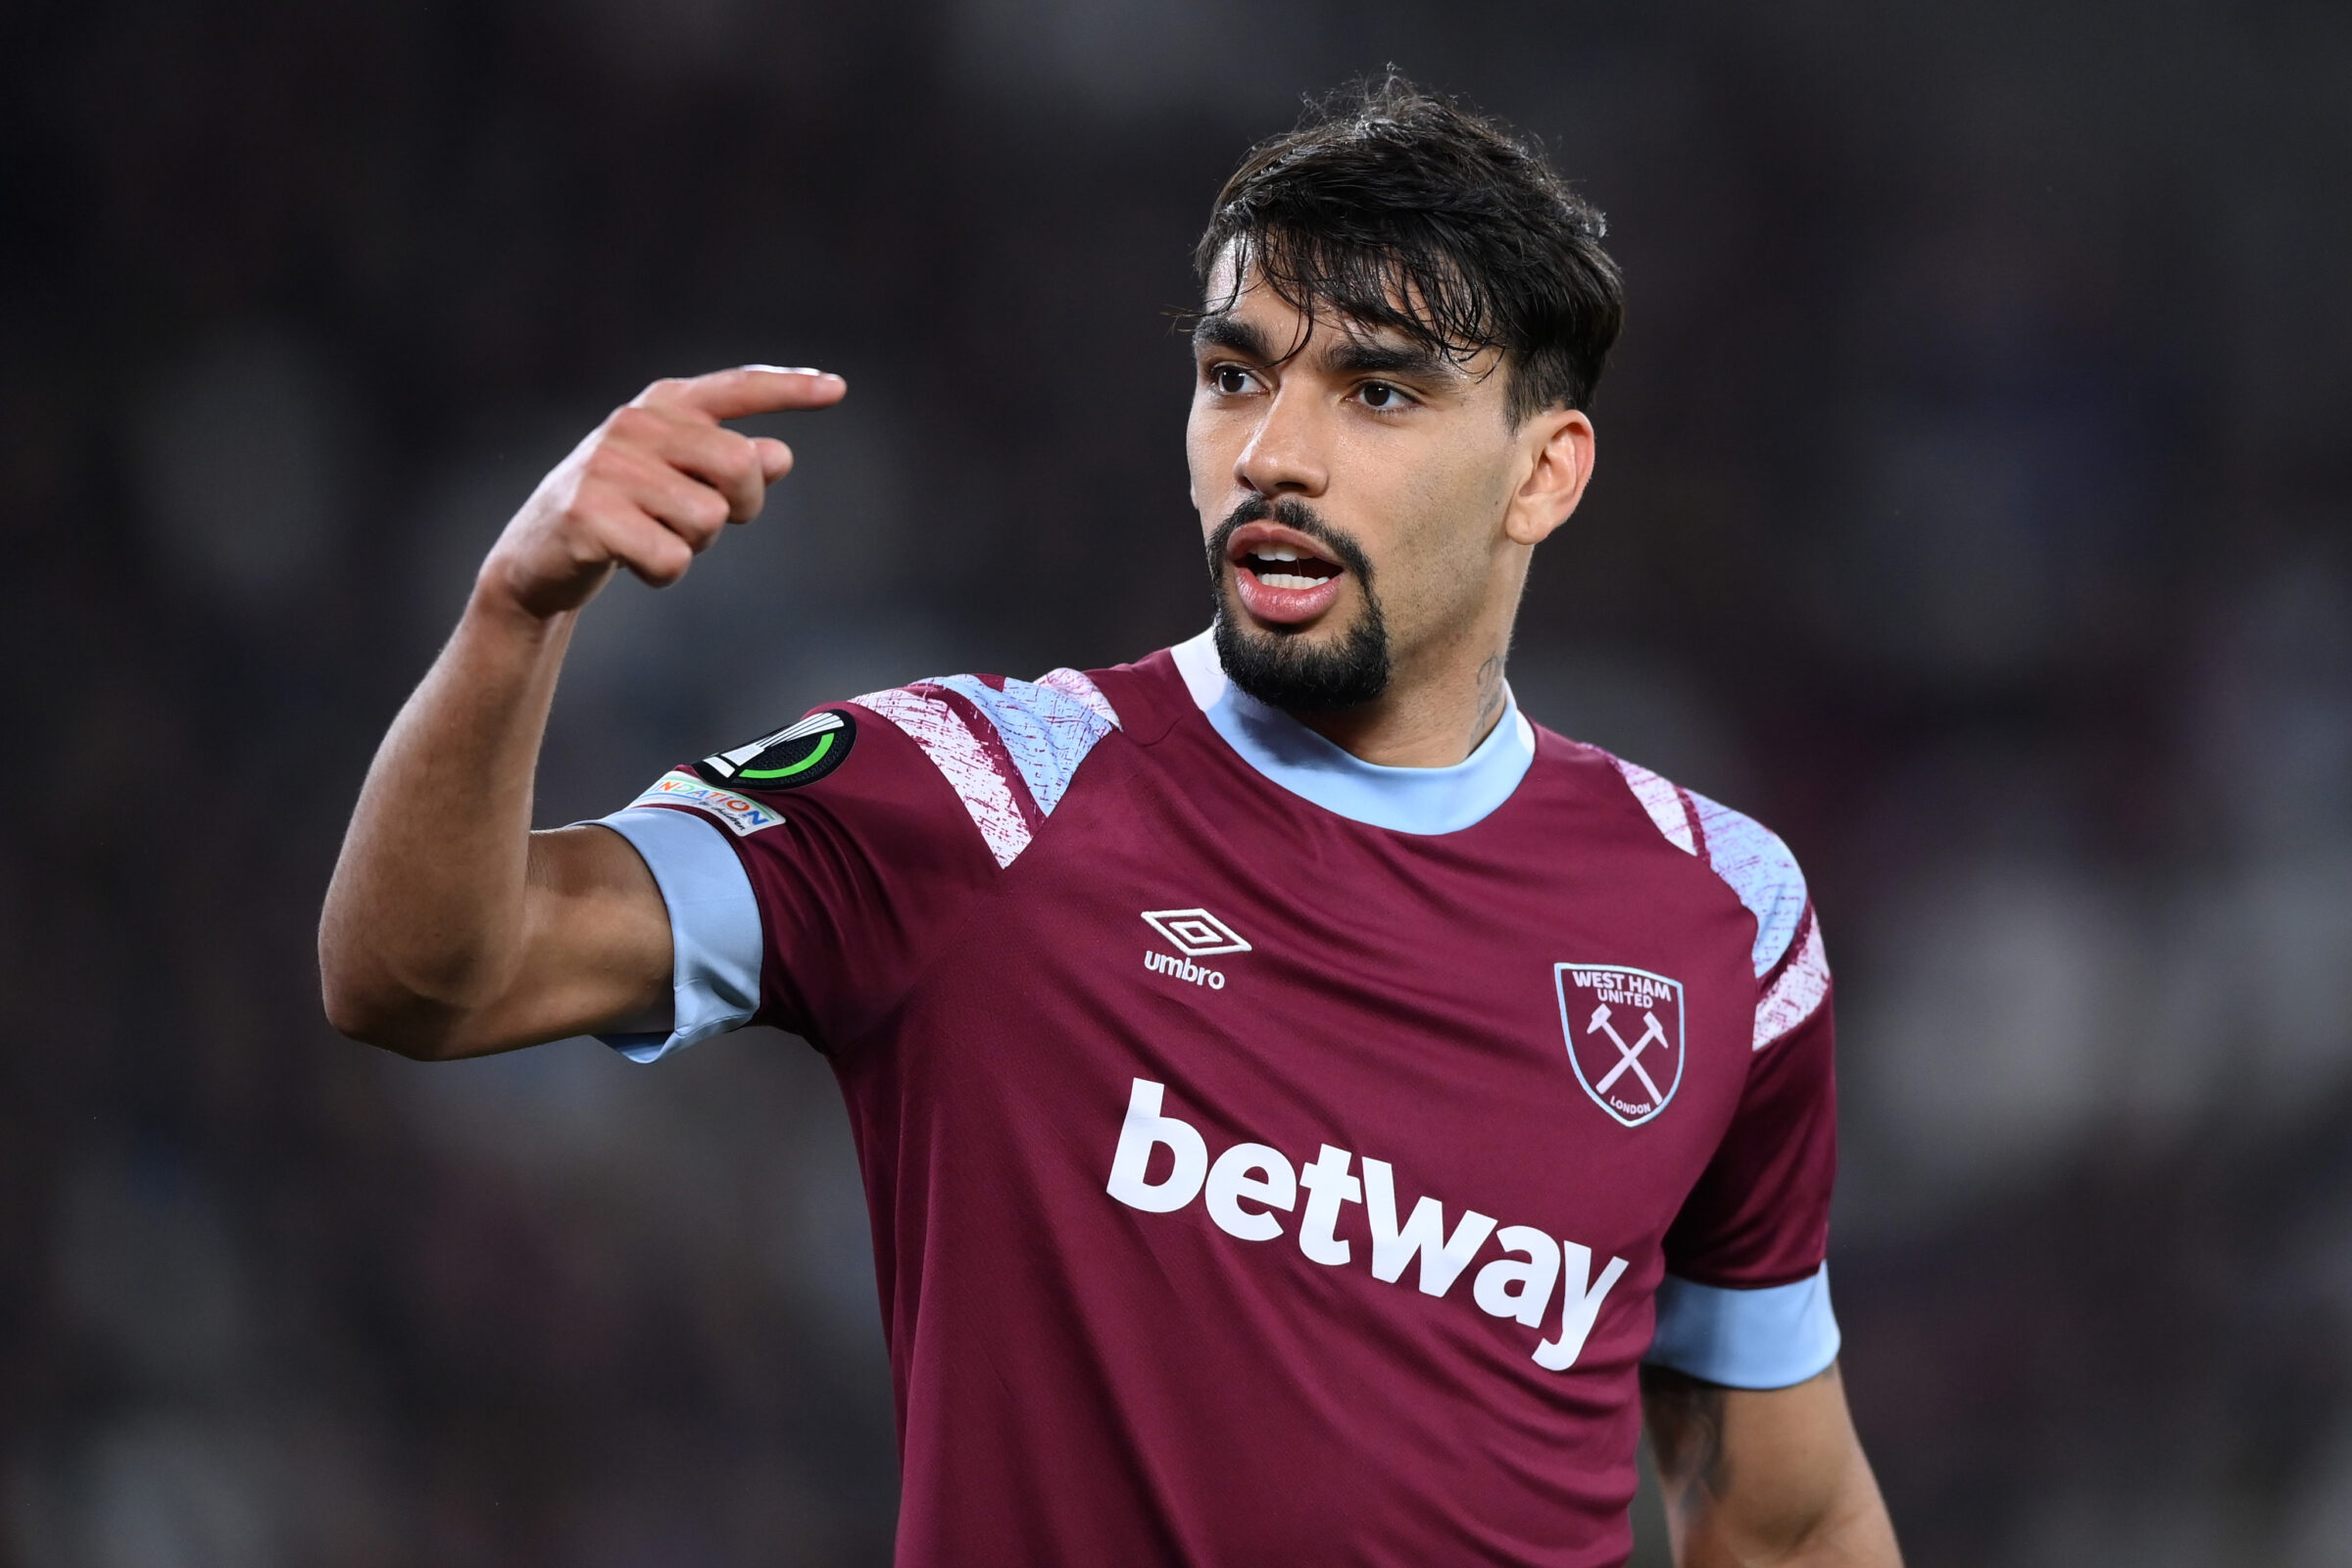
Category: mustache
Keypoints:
(1290, 512)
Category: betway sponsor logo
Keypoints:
(1520, 1284)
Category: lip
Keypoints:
(1280, 607)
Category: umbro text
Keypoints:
(1200, 974)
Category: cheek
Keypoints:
(1447, 509)
(1208, 467)
(1447, 519)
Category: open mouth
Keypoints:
(1281, 576)
(1277, 567)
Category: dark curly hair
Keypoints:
(1398, 208)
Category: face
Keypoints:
(1367, 503)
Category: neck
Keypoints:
(1432, 717)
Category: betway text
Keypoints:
(1520, 1285)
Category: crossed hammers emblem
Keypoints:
(1629, 1058)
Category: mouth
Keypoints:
(1282, 576)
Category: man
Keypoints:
(1295, 1093)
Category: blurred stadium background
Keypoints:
(1973, 507)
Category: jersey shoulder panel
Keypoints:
(1009, 749)
(1790, 966)
(1150, 694)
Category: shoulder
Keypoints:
(1744, 855)
(1792, 969)
(1007, 748)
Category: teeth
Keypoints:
(1278, 555)
(1289, 580)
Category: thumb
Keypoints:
(775, 457)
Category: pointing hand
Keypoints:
(649, 488)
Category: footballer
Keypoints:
(1309, 1113)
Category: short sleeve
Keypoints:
(1746, 1300)
(715, 933)
(809, 872)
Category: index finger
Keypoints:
(748, 389)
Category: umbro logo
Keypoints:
(1194, 932)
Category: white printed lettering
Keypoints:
(1424, 1232)
(1522, 1290)
(1622, 988)
(1580, 1305)
(1518, 1286)
(1328, 1186)
(1144, 1130)
(1260, 1174)
(1200, 974)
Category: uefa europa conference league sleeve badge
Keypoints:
(799, 753)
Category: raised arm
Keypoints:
(450, 928)
(1764, 1476)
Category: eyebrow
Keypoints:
(1227, 331)
(1348, 355)
(1355, 356)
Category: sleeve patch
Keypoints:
(739, 815)
(1793, 997)
(798, 754)
(1009, 752)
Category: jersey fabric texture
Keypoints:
(1274, 1157)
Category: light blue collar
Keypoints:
(1405, 800)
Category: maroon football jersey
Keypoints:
(1272, 1158)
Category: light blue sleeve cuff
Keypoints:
(1768, 1339)
(713, 928)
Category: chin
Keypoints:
(1326, 666)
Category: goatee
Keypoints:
(1283, 669)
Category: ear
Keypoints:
(1556, 447)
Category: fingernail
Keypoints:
(794, 369)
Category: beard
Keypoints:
(1283, 669)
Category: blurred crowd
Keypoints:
(1975, 506)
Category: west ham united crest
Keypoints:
(1625, 1036)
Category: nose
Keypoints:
(1285, 453)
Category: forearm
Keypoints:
(449, 929)
(425, 917)
(1849, 1530)
(1771, 1478)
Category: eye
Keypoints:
(1230, 379)
(1380, 395)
